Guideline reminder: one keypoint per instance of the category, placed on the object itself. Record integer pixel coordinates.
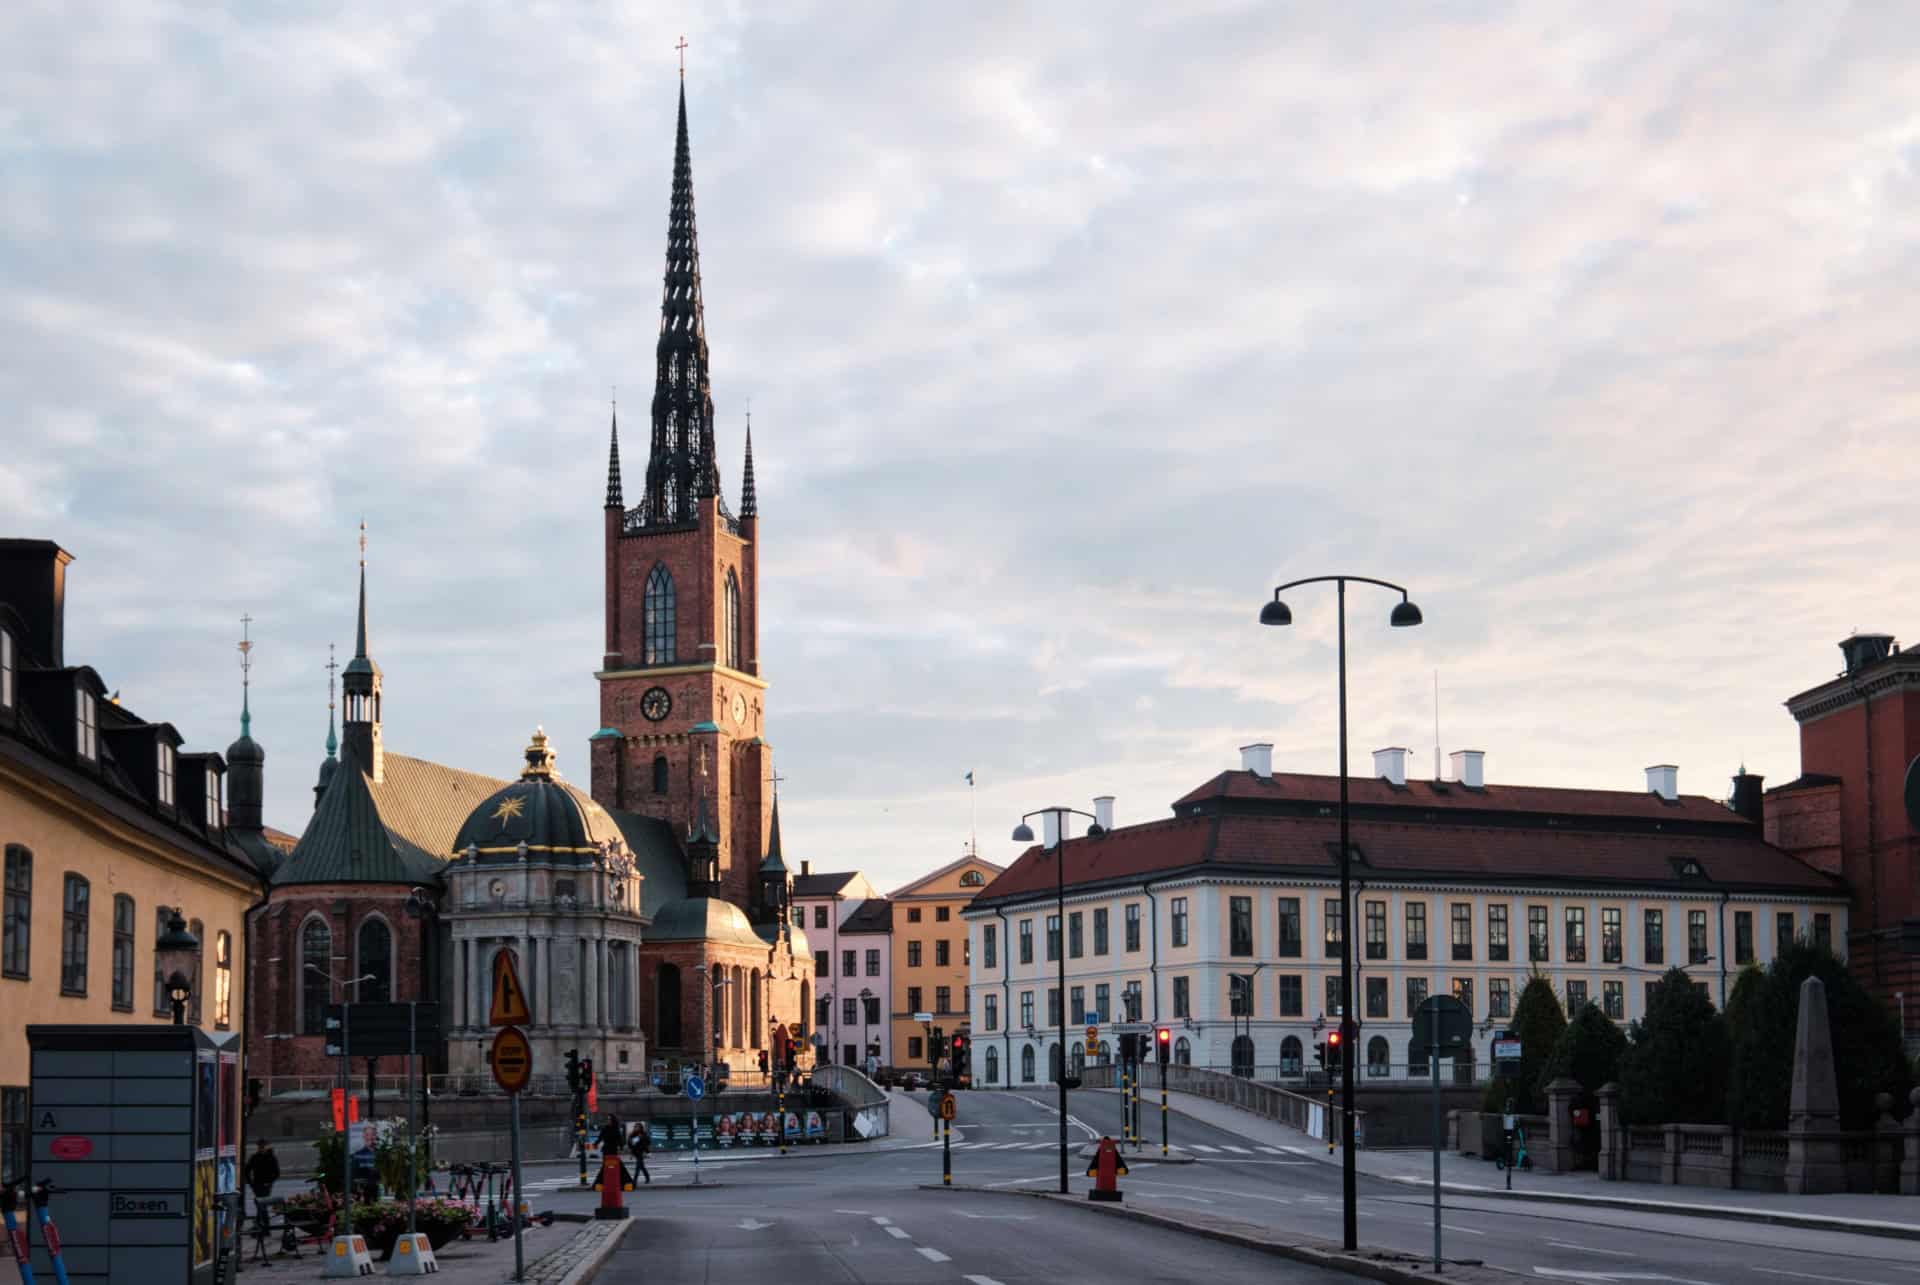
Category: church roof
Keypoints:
(539, 810)
(426, 803)
(347, 841)
(656, 857)
(703, 919)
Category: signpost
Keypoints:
(948, 1109)
(512, 1068)
(1442, 1024)
(695, 1088)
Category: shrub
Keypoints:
(1537, 1023)
(1589, 1051)
(1674, 1070)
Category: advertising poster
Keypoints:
(723, 1131)
(816, 1127)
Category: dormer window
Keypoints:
(163, 772)
(213, 800)
(86, 730)
(6, 670)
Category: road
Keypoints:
(860, 1215)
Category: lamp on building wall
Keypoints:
(174, 954)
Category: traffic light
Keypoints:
(763, 1061)
(573, 1071)
(959, 1055)
(1333, 1050)
(586, 1074)
(1163, 1043)
(1320, 1054)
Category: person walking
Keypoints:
(263, 1170)
(642, 1143)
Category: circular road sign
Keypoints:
(694, 1087)
(512, 1059)
(948, 1108)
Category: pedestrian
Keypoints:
(612, 1141)
(263, 1170)
(642, 1143)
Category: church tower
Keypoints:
(682, 701)
(360, 684)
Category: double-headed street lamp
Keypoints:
(175, 953)
(1405, 615)
(1023, 833)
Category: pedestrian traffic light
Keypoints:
(1163, 1043)
(959, 1055)
(573, 1071)
(763, 1061)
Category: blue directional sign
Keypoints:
(694, 1087)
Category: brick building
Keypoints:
(1846, 812)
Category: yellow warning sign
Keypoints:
(509, 1001)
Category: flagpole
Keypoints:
(973, 819)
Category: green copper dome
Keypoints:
(553, 819)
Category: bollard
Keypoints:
(612, 1181)
(1106, 1169)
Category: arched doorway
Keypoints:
(1292, 1057)
(666, 1007)
(1377, 1063)
(756, 1028)
(738, 1003)
(1182, 1052)
(1026, 1064)
(1243, 1056)
(1079, 1060)
(993, 1067)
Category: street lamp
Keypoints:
(1405, 615)
(346, 1093)
(717, 979)
(174, 953)
(1023, 833)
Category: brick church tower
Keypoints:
(681, 696)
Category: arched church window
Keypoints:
(316, 988)
(667, 1030)
(733, 620)
(376, 963)
(671, 507)
(659, 611)
(659, 774)
(673, 430)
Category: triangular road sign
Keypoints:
(509, 1001)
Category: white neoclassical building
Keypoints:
(1223, 921)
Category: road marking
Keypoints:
(932, 1255)
(1591, 1249)
(997, 1218)
(1809, 1276)
(882, 1220)
(1223, 1191)
(752, 1224)
(1242, 1150)
(861, 1212)
(982, 1280)
(1562, 1274)
(1015, 1182)
(1273, 1151)
(898, 1233)
(1201, 1146)
(1468, 1231)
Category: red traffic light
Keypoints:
(1333, 1039)
(959, 1043)
(1163, 1035)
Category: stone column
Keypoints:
(1613, 1138)
(1816, 1161)
(1561, 1151)
(1910, 1162)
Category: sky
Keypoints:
(1068, 332)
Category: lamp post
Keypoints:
(345, 1225)
(174, 952)
(1023, 833)
(1405, 615)
(717, 980)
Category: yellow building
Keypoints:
(931, 954)
(107, 829)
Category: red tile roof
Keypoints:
(1301, 787)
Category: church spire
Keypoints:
(613, 464)
(749, 502)
(360, 683)
(681, 469)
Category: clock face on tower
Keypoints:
(739, 709)
(656, 704)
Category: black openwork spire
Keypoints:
(749, 503)
(613, 466)
(681, 469)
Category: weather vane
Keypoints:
(682, 47)
(332, 667)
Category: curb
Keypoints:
(589, 1267)
(1398, 1270)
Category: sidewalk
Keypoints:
(1891, 1216)
(563, 1254)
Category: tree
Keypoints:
(1537, 1023)
(1588, 1050)
(1867, 1055)
(1675, 1068)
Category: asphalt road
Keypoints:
(860, 1215)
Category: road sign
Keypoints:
(512, 1059)
(380, 1030)
(509, 1001)
(948, 1107)
(1441, 1023)
(1506, 1050)
(1093, 1035)
(923, 1017)
(694, 1087)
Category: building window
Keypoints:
(913, 954)
(1100, 933)
(199, 932)
(663, 777)
(1182, 1005)
(913, 915)
(1240, 926)
(849, 1012)
(6, 669)
(1133, 926)
(1077, 1004)
(1416, 930)
(1292, 1003)
(1182, 1052)
(1053, 1006)
(75, 902)
(1239, 995)
(1462, 920)
(1333, 995)
(1576, 996)
(1537, 951)
(13, 1131)
(1026, 1009)
(1376, 930)
(16, 919)
(316, 990)
(733, 620)
(1179, 921)
(1290, 928)
(1053, 938)
(1576, 935)
(1655, 931)
(1376, 997)
(914, 1048)
(1782, 931)
(870, 1009)
(1497, 943)
(1336, 927)
(819, 916)
(1610, 944)
(658, 613)
(991, 1014)
(913, 1000)
(989, 946)
(1076, 936)
(1463, 991)
(1416, 994)
(1823, 931)
(823, 1013)
(993, 1065)
(943, 953)
(799, 916)
(1292, 1056)
(941, 914)
(163, 773)
(1696, 936)
(376, 963)
(123, 913)
(1103, 1003)
(222, 980)
(849, 963)
(1743, 936)
(86, 730)
(1613, 1000)
(873, 963)
(1130, 1001)
(213, 800)
(1377, 1057)
(820, 967)
(1026, 941)
(1499, 997)
(1026, 1064)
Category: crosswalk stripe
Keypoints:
(1201, 1146)
(1242, 1150)
(1273, 1151)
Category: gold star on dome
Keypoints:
(508, 810)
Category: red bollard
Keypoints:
(611, 1182)
(1106, 1169)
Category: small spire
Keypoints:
(246, 675)
(539, 758)
(614, 500)
(360, 641)
(775, 863)
(333, 742)
(749, 501)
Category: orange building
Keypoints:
(931, 954)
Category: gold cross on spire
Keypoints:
(363, 542)
(682, 47)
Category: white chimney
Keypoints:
(1663, 779)
(1049, 829)
(1391, 763)
(1469, 768)
(1257, 759)
(1103, 809)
